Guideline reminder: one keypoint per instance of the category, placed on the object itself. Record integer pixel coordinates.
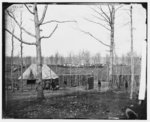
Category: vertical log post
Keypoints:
(132, 58)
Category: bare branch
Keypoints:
(43, 15)
(88, 33)
(98, 24)
(13, 17)
(29, 9)
(106, 19)
(119, 7)
(109, 9)
(20, 28)
(101, 19)
(50, 33)
(28, 43)
(20, 18)
(105, 14)
(56, 21)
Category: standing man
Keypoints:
(99, 85)
(126, 84)
(65, 83)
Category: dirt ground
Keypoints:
(69, 104)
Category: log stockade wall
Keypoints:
(78, 76)
(74, 79)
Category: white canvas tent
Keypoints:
(31, 72)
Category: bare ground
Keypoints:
(69, 104)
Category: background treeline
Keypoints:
(84, 58)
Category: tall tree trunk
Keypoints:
(21, 46)
(39, 88)
(12, 63)
(21, 67)
(112, 46)
(132, 59)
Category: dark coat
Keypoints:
(99, 83)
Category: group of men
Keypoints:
(51, 85)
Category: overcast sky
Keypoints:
(67, 38)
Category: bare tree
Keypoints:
(51, 58)
(80, 58)
(70, 62)
(110, 21)
(56, 60)
(21, 47)
(85, 57)
(97, 62)
(12, 59)
(132, 58)
(98, 58)
(62, 60)
(123, 60)
(12, 64)
(106, 19)
(37, 23)
(27, 61)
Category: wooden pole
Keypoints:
(12, 55)
(132, 58)
(70, 69)
(21, 53)
(112, 47)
